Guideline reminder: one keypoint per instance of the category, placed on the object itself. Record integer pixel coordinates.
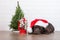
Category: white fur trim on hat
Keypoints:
(40, 23)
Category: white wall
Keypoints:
(45, 9)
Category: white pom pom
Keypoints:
(29, 29)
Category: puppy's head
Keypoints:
(38, 29)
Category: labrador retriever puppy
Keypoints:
(37, 29)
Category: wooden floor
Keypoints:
(6, 35)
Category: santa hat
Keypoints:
(41, 22)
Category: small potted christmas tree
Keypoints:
(18, 15)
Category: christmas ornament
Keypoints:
(22, 25)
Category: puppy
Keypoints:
(36, 29)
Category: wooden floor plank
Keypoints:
(7, 35)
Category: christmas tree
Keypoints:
(18, 15)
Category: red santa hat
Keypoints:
(37, 20)
(41, 22)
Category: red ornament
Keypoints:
(22, 31)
